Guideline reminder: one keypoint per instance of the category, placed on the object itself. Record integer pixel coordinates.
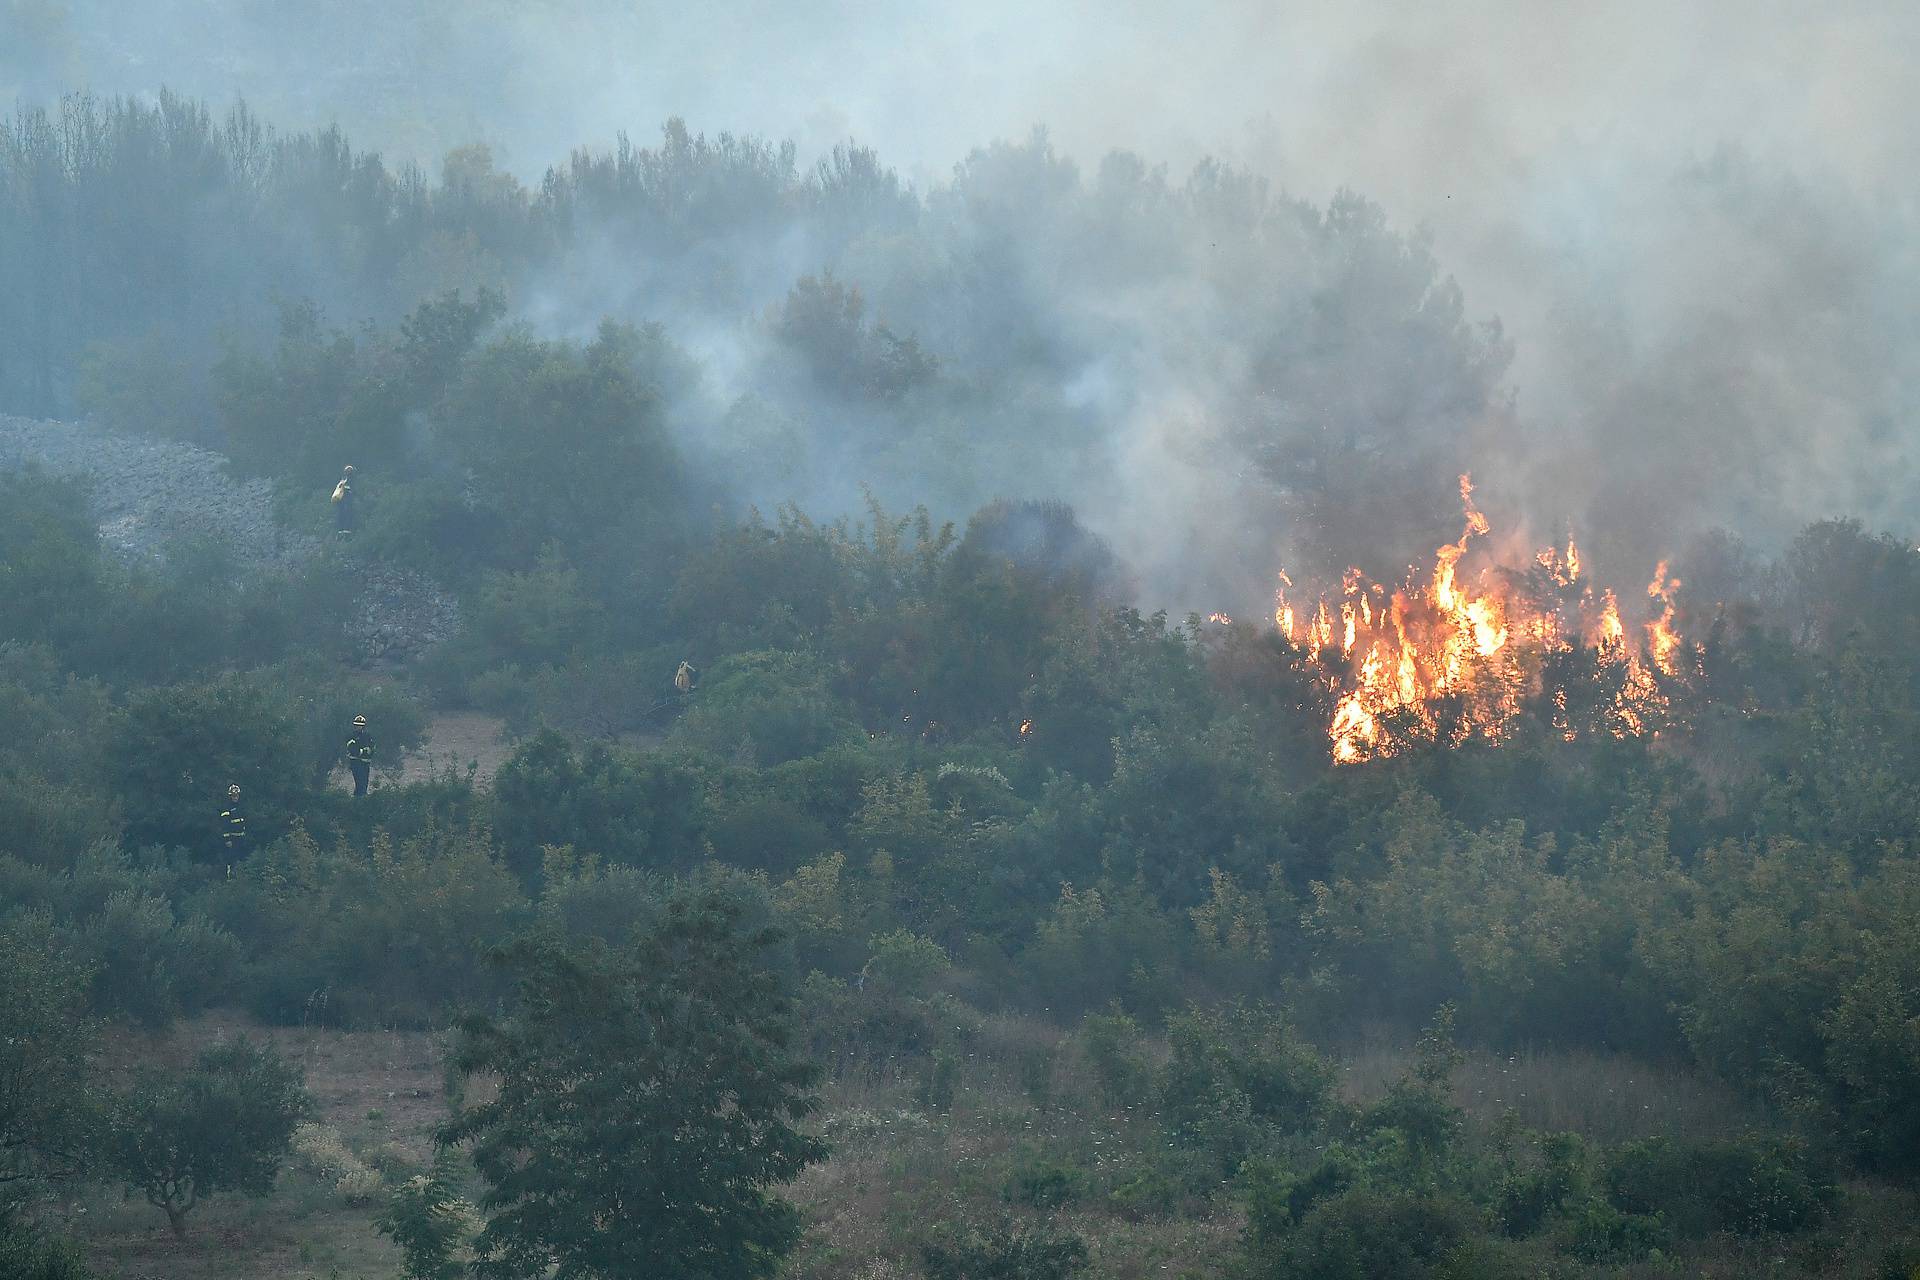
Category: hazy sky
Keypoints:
(1514, 128)
(1762, 315)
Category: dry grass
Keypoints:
(899, 1171)
(455, 741)
(1606, 1097)
(379, 1091)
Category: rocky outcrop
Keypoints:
(147, 494)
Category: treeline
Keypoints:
(985, 337)
(960, 734)
(933, 774)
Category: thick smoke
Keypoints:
(1697, 224)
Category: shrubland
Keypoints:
(1059, 905)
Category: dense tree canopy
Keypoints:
(645, 1106)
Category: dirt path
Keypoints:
(456, 739)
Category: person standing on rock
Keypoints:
(343, 505)
(360, 755)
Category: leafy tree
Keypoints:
(224, 1125)
(47, 1046)
(1364, 1232)
(389, 932)
(180, 746)
(823, 323)
(645, 1106)
(1237, 1076)
(26, 1254)
(769, 707)
(53, 584)
(565, 446)
(426, 1217)
(613, 803)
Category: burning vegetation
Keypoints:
(1463, 652)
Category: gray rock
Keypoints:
(147, 493)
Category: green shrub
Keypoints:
(1363, 1233)
(224, 1125)
(379, 934)
(940, 1082)
(426, 1217)
(904, 964)
(178, 748)
(1277, 1198)
(1873, 1039)
(150, 966)
(536, 616)
(615, 804)
(47, 1048)
(1004, 1252)
(1046, 1184)
(27, 1254)
(767, 707)
(1900, 1262)
(1747, 1185)
(1152, 1191)
(1604, 1236)
(847, 1028)
(1540, 1181)
(1237, 1074)
(1112, 1044)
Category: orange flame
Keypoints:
(1455, 658)
(1662, 641)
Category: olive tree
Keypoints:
(224, 1125)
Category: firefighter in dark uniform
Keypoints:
(360, 755)
(343, 504)
(233, 826)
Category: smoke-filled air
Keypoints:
(891, 641)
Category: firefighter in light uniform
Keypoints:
(360, 755)
(687, 678)
(233, 826)
(343, 505)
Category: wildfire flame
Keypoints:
(1456, 656)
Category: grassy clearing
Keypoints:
(1022, 1139)
(901, 1168)
(1609, 1098)
(380, 1092)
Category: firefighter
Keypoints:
(687, 678)
(343, 505)
(233, 826)
(360, 755)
